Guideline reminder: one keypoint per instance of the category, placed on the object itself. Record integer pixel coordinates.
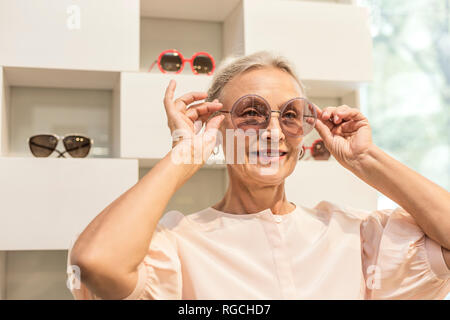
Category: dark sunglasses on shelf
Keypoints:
(43, 145)
(297, 116)
(318, 150)
(173, 61)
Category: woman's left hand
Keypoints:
(346, 133)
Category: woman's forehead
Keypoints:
(273, 84)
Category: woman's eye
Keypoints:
(251, 112)
(290, 115)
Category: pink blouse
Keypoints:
(327, 252)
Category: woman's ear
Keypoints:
(301, 151)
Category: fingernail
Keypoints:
(336, 118)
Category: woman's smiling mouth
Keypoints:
(268, 155)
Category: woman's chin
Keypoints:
(271, 173)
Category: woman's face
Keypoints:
(264, 168)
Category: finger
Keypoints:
(347, 113)
(327, 112)
(337, 112)
(324, 116)
(203, 110)
(324, 132)
(210, 135)
(352, 126)
(214, 123)
(168, 96)
(344, 113)
(182, 102)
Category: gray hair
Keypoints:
(234, 65)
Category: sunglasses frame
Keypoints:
(58, 139)
(311, 148)
(276, 111)
(183, 61)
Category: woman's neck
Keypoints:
(242, 198)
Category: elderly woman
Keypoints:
(254, 243)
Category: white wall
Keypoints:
(36, 34)
(325, 41)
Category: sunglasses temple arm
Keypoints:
(61, 154)
(152, 65)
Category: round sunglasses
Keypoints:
(318, 150)
(297, 116)
(43, 145)
(173, 61)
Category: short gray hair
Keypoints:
(234, 65)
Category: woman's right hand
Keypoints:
(185, 123)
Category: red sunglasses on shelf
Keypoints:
(173, 61)
(318, 150)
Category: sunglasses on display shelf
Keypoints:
(317, 149)
(173, 61)
(43, 145)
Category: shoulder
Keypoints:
(175, 220)
(377, 216)
(171, 219)
(331, 208)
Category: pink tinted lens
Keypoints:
(298, 117)
(251, 112)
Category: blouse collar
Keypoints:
(266, 213)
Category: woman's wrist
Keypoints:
(366, 162)
(179, 170)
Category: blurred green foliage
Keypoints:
(408, 102)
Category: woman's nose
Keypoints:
(273, 130)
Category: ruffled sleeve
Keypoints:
(399, 260)
(159, 274)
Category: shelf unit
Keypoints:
(58, 101)
(60, 197)
(46, 34)
(94, 79)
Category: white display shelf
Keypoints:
(202, 10)
(338, 55)
(314, 181)
(187, 36)
(60, 78)
(45, 34)
(144, 132)
(326, 41)
(46, 202)
(37, 101)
